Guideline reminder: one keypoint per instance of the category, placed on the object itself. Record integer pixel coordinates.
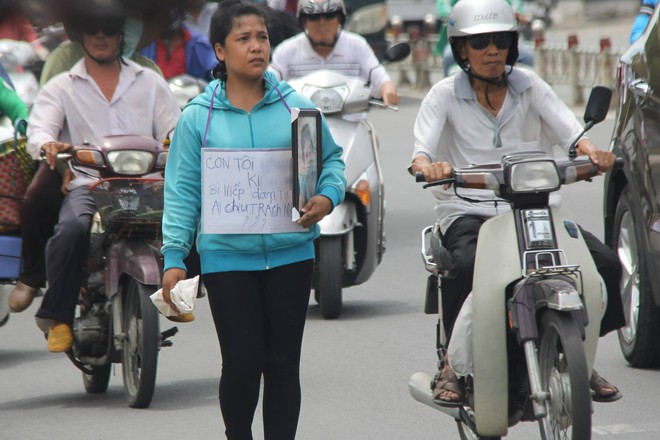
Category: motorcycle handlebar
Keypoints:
(380, 103)
(584, 170)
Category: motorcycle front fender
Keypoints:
(340, 221)
(137, 259)
(493, 273)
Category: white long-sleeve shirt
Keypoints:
(453, 127)
(352, 55)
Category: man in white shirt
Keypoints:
(484, 111)
(324, 45)
(103, 94)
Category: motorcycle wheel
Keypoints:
(638, 339)
(328, 291)
(140, 351)
(565, 376)
(97, 382)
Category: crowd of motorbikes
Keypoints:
(115, 320)
(530, 338)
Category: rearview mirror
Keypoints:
(397, 52)
(598, 105)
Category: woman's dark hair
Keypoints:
(223, 21)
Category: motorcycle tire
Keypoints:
(565, 375)
(98, 382)
(330, 275)
(638, 339)
(140, 351)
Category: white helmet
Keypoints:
(472, 17)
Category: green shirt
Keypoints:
(12, 105)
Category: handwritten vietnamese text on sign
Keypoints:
(247, 191)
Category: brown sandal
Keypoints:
(601, 389)
(446, 380)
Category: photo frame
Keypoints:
(307, 154)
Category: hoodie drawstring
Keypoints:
(208, 119)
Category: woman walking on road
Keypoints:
(258, 283)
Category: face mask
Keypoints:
(132, 34)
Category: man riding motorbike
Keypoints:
(487, 110)
(103, 94)
(324, 45)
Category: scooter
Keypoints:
(185, 87)
(529, 345)
(352, 241)
(116, 322)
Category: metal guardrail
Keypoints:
(558, 64)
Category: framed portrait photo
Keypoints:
(307, 153)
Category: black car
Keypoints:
(632, 196)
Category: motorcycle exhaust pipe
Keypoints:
(419, 386)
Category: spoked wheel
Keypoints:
(564, 375)
(140, 352)
(330, 276)
(638, 339)
(97, 382)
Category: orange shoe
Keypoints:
(183, 317)
(60, 338)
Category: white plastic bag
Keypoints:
(183, 296)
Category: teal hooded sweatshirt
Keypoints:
(267, 125)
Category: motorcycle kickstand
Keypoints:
(165, 335)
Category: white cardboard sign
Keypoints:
(247, 191)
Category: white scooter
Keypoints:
(536, 302)
(186, 87)
(352, 239)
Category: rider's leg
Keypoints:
(460, 240)
(66, 254)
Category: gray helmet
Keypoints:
(472, 17)
(314, 7)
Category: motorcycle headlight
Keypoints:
(534, 176)
(130, 162)
(327, 100)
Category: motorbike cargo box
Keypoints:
(10, 256)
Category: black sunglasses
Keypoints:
(325, 16)
(109, 28)
(502, 40)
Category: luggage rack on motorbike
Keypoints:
(542, 268)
